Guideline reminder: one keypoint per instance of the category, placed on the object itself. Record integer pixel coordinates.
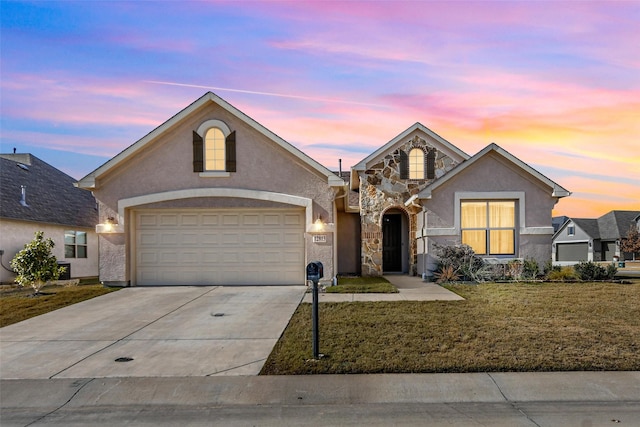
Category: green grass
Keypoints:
(361, 285)
(499, 327)
(17, 305)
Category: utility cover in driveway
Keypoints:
(219, 247)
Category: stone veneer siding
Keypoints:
(381, 190)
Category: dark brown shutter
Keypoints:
(431, 164)
(404, 165)
(230, 150)
(198, 153)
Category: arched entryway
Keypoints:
(395, 241)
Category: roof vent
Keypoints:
(21, 166)
(23, 200)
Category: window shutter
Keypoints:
(431, 164)
(230, 150)
(198, 153)
(404, 165)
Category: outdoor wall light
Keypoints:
(318, 225)
(109, 226)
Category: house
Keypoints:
(213, 197)
(419, 191)
(588, 239)
(36, 196)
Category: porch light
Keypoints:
(318, 225)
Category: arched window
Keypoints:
(416, 164)
(214, 150)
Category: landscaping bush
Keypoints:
(589, 271)
(562, 274)
(530, 269)
(461, 261)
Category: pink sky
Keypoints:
(557, 84)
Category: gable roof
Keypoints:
(89, 181)
(589, 226)
(445, 145)
(615, 224)
(50, 193)
(558, 190)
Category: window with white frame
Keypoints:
(571, 230)
(75, 244)
(489, 226)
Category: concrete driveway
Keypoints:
(165, 331)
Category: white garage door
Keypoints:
(219, 247)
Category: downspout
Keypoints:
(424, 246)
(334, 279)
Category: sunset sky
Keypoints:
(557, 84)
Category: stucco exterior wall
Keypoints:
(15, 234)
(489, 178)
(167, 165)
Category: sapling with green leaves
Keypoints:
(35, 265)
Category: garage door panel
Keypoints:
(189, 220)
(190, 239)
(210, 219)
(169, 239)
(168, 220)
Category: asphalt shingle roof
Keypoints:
(50, 194)
(615, 224)
(589, 226)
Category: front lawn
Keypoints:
(19, 305)
(499, 327)
(362, 285)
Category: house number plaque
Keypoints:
(320, 238)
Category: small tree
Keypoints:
(631, 242)
(35, 265)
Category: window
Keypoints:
(489, 226)
(571, 230)
(75, 244)
(214, 150)
(416, 164)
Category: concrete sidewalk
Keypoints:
(493, 398)
(411, 288)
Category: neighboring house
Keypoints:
(212, 197)
(35, 196)
(585, 239)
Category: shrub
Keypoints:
(446, 274)
(514, 270)
(549, 267)
(530, 268)
(562, 274)
(462, 259)
(589, 270)
(35, 265)
(611, 272)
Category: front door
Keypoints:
(392, 242)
